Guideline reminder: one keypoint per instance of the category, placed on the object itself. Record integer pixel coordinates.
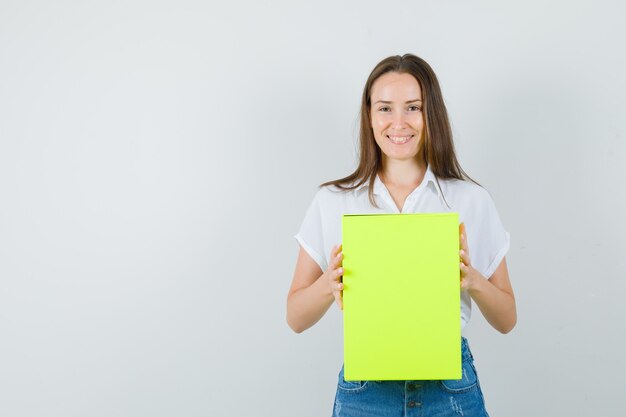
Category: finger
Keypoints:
(464, 277)
(464, 257)
(335, 278)
(339, 301)
(338, 294)
(336, 261)
(463, 238)
(339, 255)
(340, 286)
(337, 298)
(464, 246)
(336, 270)
(464, 269)
(461, 231)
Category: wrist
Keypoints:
(324, 286)
(476, 283)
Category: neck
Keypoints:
(406, 173)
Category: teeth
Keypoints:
(399, 140)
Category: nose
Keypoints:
(399, 119)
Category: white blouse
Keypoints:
(488, 242)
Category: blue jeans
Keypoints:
(436, 398)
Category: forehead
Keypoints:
(395, 86)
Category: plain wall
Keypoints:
(156, 159)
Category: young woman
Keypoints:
(407, 165)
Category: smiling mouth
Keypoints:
(399, 140)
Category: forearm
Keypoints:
(496, 305)
(306, 306)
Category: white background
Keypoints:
(156, 159)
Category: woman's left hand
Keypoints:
(469, 276)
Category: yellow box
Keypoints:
(401, 296)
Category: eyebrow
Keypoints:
(406, 102)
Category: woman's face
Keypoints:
(396, 113)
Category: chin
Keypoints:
(401, 156)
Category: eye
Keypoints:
(414, 108)
(384, 108)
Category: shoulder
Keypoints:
(332, 195)
(466, 194)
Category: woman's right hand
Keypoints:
(334, 273)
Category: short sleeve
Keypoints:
(310, 236)
(488, 241)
